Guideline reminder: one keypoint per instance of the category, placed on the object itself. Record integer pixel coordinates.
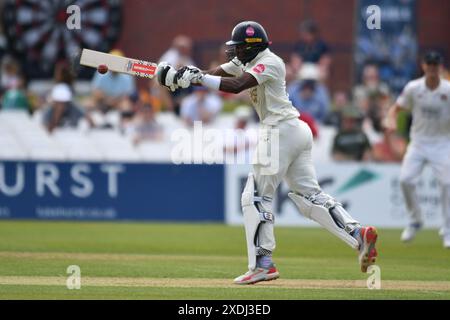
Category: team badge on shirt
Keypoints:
(259, 68)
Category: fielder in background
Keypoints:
(428, 98)
(254, 66)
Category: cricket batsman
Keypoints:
(255, 67)
(428, 98)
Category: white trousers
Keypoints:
(294, 165)
(419, 154)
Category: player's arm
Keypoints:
(238, 84)
(228, 77)
(404, 102)
(390, 122)
(226, 84)
(218, 72)
(188, 75)
(215, 72)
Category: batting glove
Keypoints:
(188, 75)
(166, 76)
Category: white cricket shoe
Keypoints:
(410, 232)
(257, 275)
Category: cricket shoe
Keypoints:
(258, 275)
(367, 239)
(410, 232)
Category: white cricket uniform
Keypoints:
(280, 127)
(430, 141)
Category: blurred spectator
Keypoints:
(16, 98)
(351, 143)
(311, 48)
(63, 74)
(308, 94)
(10, 75)
(391, 149)
(244, 116)
(201, 105)
(372, 96)
(144, 126)
(341, 101)
(3, 41)
(291, 75)
(178, 55)
(62, 112)
(393, 50)
(112, 89)
(128, 111)
(127, 115)
(146, 96)
(220, 59)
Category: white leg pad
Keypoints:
(252, 219)
(322, 216)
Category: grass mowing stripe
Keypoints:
(225, 283)
(185, 294)
(110, 256)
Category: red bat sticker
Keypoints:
(143, 68)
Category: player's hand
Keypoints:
(390, 124)
(166, 76)
(187, 75)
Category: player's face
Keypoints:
(236, 51)
(240, 52)
(431, 69)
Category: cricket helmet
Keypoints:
(248, 38)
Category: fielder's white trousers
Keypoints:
(294, 165)
(437, 155)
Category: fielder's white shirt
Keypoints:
(269, 97)
(430, 109)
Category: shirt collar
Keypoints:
(262, 53)
(258, 56)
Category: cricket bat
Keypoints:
(140, 68)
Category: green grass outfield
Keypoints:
(199, 261)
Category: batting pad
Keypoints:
(322, 216)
